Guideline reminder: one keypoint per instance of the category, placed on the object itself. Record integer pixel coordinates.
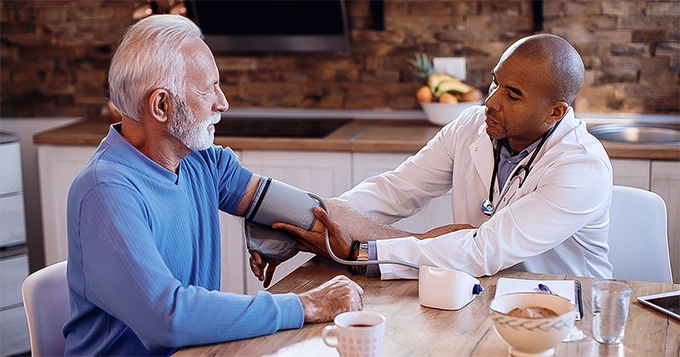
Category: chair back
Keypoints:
(638, 238)
(46, 302)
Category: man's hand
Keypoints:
(315, 242)
(335, 296)
(263, 268)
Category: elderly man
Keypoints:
(144, 243)
(531, 188)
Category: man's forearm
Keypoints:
(359, 226)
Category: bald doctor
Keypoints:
(531, 188)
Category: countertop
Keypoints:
(7, 137)
(369, 134)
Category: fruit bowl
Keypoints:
(444, 113)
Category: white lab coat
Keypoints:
(556, 223)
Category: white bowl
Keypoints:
(443, 113)
(532, 336)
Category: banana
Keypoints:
(454, 86)
(435, 79)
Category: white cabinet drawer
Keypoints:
(14, 332)
(12, 220)
(13, 271)
(10, 175)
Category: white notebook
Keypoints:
(564, 288)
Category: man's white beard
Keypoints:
(185, 127)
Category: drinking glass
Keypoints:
(610, 311)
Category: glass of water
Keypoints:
(610, 311)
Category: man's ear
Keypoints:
(557, 112)
(160, 104)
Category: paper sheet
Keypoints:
(564, 288)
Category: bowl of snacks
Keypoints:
(442, 113)
(444, 97)
(532, 324)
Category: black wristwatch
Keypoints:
(363, 256)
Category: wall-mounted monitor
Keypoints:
(272, 26)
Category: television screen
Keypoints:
(272, 26)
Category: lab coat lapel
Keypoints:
(481, 152)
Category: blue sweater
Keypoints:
(144, 256)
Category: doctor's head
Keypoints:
(533, 85)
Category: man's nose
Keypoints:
(489, 102)
(221, 105)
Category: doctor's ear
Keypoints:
(160, 103)
(558, 111)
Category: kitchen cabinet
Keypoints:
(13, 325)
(436, 213)
(663, 178)
(325, 173)
(14, 261)
(58, 165)
(12, 221)
(632, 173)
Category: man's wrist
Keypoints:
(358, 252)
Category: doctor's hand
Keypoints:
(315, 242)
(333, 297)
(263, 268)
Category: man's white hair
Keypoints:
(149, 58)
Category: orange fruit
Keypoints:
(424, 94)
(448, 98)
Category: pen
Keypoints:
(578, 300)
(578, 297)
(546, 289)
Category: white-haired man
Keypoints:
(144, 244)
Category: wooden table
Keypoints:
(414, 330)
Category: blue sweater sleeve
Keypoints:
(125, 275)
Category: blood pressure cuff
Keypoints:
(269, 242)
(275, 201)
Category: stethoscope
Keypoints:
(488, 207)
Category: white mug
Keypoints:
(356, 334)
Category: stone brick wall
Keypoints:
(55, 54)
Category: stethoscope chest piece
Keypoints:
(488, 207)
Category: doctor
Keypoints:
(531, 188)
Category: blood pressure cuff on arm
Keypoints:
(269, 242)
(275, 201)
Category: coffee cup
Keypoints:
(356, 334)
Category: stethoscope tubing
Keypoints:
(488, 208)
